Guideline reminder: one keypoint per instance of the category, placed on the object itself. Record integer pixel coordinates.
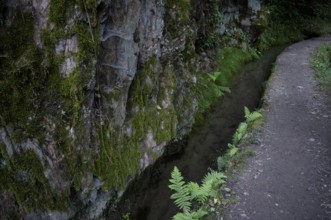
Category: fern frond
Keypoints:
(253, 116)
(222, 161)
(217, 91)
(232, 151)
(176, 180)
(202, 193)
(192, 186)
(247, 112)
(213, 178)
(182, 200)
(241, 131)
(242, 128)
(181, 196)
(186, 193)
(198, 214)
(214, 76)
(190, 216)
(224, 89)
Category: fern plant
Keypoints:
(241, 131)
(214, 76)
(251, 116)
(190, 197)
(243, 127)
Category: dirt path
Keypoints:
(290, 176)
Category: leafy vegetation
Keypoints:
(211, 86)
(231, 59)
(192, 198)
(322, 64)
(228, 158)
(291, 21)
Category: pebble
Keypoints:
(311, 139)
(243, 215)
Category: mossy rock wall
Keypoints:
(47, 89)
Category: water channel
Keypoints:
(148, 197)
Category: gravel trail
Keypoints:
(290, 176)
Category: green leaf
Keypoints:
(242, 128)
(253, 116)
(233, 151)
(224, 89)
(247, 112)
(186, 193)
(181, 196)
(241, 131)
(214, 76)
(222, 161)
(196, 215)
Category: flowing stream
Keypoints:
(148, 197)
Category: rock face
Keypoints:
(92, 91)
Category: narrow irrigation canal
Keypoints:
(148, 197)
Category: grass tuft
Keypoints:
(321, 62)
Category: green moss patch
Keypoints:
(22, 79)
(117, 159)
(231, 59)
(23, 176)
(177, 16)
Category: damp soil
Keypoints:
(148, 196)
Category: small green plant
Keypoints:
(222, 89)
(207, 92)
(251, 116)
(214, 76)
(241, 131)
(210, 87)
(322, 64)
(192, 198)
(231, 59)
(126, 216)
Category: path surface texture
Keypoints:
(290, 176)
